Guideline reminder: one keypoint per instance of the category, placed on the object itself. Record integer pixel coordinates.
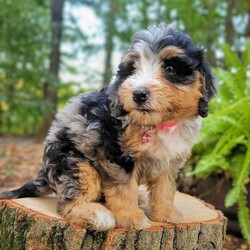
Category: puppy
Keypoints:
(139, 130)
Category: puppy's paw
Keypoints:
(134, 219)
(93, 216)
(171, 216)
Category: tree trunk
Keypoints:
(143, 10)
(229, 21)
(109, 42)
(248, 23)
(210, 53)
(32, 223)
(52, 83)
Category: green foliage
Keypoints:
(24, 46)
(24, 61)
(224, 146)
(244, 217)
(26, 42)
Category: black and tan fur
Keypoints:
(95, 158)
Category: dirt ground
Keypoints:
(21, 159)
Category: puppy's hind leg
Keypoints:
(90, 215)
(84, 208)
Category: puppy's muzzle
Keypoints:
(141, 95)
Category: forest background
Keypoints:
(52, 50)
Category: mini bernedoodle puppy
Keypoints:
(139, 130)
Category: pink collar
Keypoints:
(167, 127)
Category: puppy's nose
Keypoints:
(140, 95)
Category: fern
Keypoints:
(240, 180)
(231, 58)
(244, 217)
(224, 145)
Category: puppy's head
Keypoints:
(164, 77)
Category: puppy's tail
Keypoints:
(36, 188)
(27, 190)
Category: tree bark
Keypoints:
(229, 22)
(109, 42)
(32, 223)
(52, 83)
(248, 23)
(143, 10)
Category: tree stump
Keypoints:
(32, 223)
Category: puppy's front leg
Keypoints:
(161, 199)
(122, 200)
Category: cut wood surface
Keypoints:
(33, 223)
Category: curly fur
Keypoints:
(95, 158)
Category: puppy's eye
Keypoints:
(126, 69)
(179, 70)
(170, 70)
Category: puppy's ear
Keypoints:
(115, 105)
(125, 69)
(209, 89)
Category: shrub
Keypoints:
(224, 145)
